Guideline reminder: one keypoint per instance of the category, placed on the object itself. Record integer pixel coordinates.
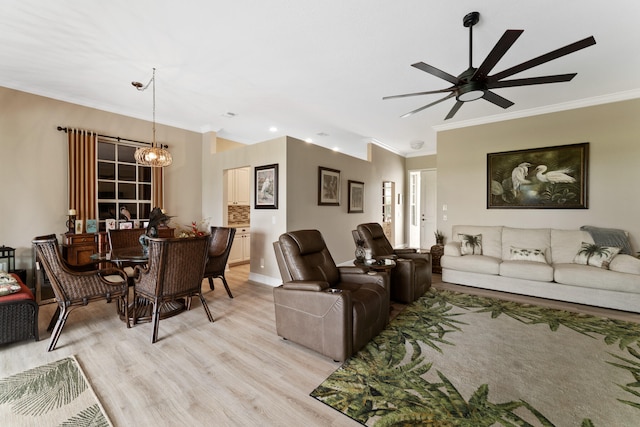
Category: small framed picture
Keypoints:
(328, 187)
(110, 224)
(266, 187)
(126, 225)
(79, 226)
(92, 226)
(356, 197)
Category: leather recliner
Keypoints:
(332, 310)
(411, 277)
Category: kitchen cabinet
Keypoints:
(239, 190)
(241, 247)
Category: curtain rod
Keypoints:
(117, 138)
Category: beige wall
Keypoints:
(298, 207)
(266, 224)
(335, 222)
(34, 165)
(422, 162)
(613, 131)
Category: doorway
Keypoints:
(422, 208)
(388, 211)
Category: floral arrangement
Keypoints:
(195, 229)
(439, 237)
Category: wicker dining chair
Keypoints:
(175, 270)
(219, 249)
(126, 238)
(73, 288)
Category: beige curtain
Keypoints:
(157, 188)
(82, 173)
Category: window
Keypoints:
(123, 185)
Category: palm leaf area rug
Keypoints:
(452, 359)
(56, 394)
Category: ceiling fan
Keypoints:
(476, 83)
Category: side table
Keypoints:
(436, 253)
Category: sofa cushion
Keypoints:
(565, 244)
(596, 256)
(610, 237)
(470, 244)
(530, 270)
(491, 237)
(625, 264)
(594, 277)
(538, 238)
(526, 254)
(472, 263)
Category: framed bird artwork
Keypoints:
(547, 177)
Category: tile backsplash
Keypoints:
(238, 214)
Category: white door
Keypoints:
(428, 208)
(415, 224)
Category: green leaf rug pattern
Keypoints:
(403, 377)
(55, 391)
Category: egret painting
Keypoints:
(266, 187)
(548, 177)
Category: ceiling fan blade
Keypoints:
(428, 105)
(506, 41)
(436, 72)
(573, 47)
(559, 78)
(451, 89)
(454, 109)
(497, 99)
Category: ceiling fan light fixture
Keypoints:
(471, 91)
(475, 83)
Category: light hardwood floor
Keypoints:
(233, 372)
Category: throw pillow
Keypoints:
(596, 256)
(9, 289)
(470, 244)
(525, 254)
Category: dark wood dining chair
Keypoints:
(73, 288)
(219, 249)
(175, 270)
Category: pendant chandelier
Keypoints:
(156, 155)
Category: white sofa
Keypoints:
(559, 278)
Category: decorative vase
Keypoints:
(360, 253)
(144, 242)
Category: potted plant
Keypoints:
(439, 237)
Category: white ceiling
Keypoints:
(310, 67)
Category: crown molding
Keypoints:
(587, 102)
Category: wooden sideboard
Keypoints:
(78, 248)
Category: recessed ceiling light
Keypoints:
(229, 115)
(322, 134)
(336, 149)
(308, 140)
(273, 129)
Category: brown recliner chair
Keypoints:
(332, 310)
(411, 277)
